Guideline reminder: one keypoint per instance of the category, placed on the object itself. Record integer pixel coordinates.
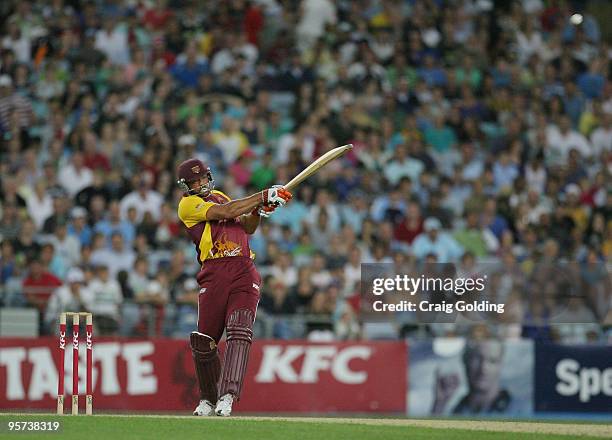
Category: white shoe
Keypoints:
(224, 405)
(205, 408)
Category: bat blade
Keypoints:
(317, 165)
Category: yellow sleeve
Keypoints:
(192, 210)
(222, 195)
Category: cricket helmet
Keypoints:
(191, 170)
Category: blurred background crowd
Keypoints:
(482, 135)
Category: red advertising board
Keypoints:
(305, 377)
(158, 375)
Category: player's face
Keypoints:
(198, 184)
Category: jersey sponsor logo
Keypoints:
(236, 252)
(196, 169)
(223, 247)
(279, 363)
(255, 286)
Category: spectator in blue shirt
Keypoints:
(435, 241)
(7, 261)
(113, 223)
(592, 83)
(387, 205)
(188, 71)
(492, 220)
(347, 182)
(79, 227)
(433, 75)
(292, 216)
(505, 171)
(573, 102)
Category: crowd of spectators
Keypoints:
(482, 134)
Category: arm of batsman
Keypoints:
(277, 195)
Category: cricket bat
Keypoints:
(317, 165)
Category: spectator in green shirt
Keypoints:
(265, 173)
(192, 106)
(469, 73)
(474, 238)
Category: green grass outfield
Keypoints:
(281, 428)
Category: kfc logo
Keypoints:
(62, 340)
(88, 341)
(75, 340)
(278, 363)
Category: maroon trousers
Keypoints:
(226, 284)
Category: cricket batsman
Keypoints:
(229, 283)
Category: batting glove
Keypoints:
(263, 211)
(266, 211)
(275, 196)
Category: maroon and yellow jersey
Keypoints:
(212, 238)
